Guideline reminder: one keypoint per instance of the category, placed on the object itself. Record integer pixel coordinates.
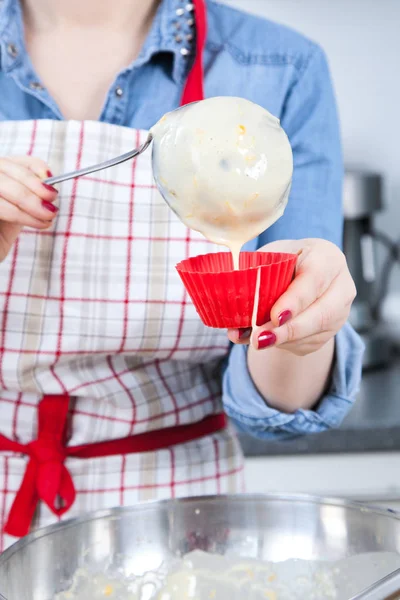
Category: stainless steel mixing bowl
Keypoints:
(138, 539)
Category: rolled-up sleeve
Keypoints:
(251, 413)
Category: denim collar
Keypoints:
(171, 32)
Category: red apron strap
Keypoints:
(194, 87)
(46, 477)
(149, 441)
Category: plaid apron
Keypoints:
(94, 309)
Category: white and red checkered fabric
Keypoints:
(94, 308)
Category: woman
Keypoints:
(110, 385)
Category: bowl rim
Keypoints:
(221, 498)
(286, 257)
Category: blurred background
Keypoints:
(362, 459)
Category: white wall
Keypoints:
(362, 41)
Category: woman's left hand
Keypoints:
(315, 305)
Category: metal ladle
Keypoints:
(112, 162)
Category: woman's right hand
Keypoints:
(25, 201)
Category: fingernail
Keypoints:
(50, 188)
(284, 317)
(244, 333)
(49, 173)
(265, 339)
(49, 206)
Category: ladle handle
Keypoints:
(99, 167)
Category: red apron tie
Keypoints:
(46, 477)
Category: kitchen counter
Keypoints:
(372, 425)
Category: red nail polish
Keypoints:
(49, 206)
(265, 339)
(49, 173)
(284, 317)
(244, 333)
(50, 188)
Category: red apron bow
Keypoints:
(46, 477)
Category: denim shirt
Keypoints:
(272, 66)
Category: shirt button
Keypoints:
(180, 12)
(119, 92)
(189, 7)
(35, 85)
(12, 50)
(185, 52)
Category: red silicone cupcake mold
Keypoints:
(224, 298)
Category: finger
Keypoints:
(35, 164)
(239, 336)
(323, 315)
(309, 344)
(23, 198)
(312, 280)
(24, 175)
(12, 214)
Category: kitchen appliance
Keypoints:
(362, 199)
(358, 545)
